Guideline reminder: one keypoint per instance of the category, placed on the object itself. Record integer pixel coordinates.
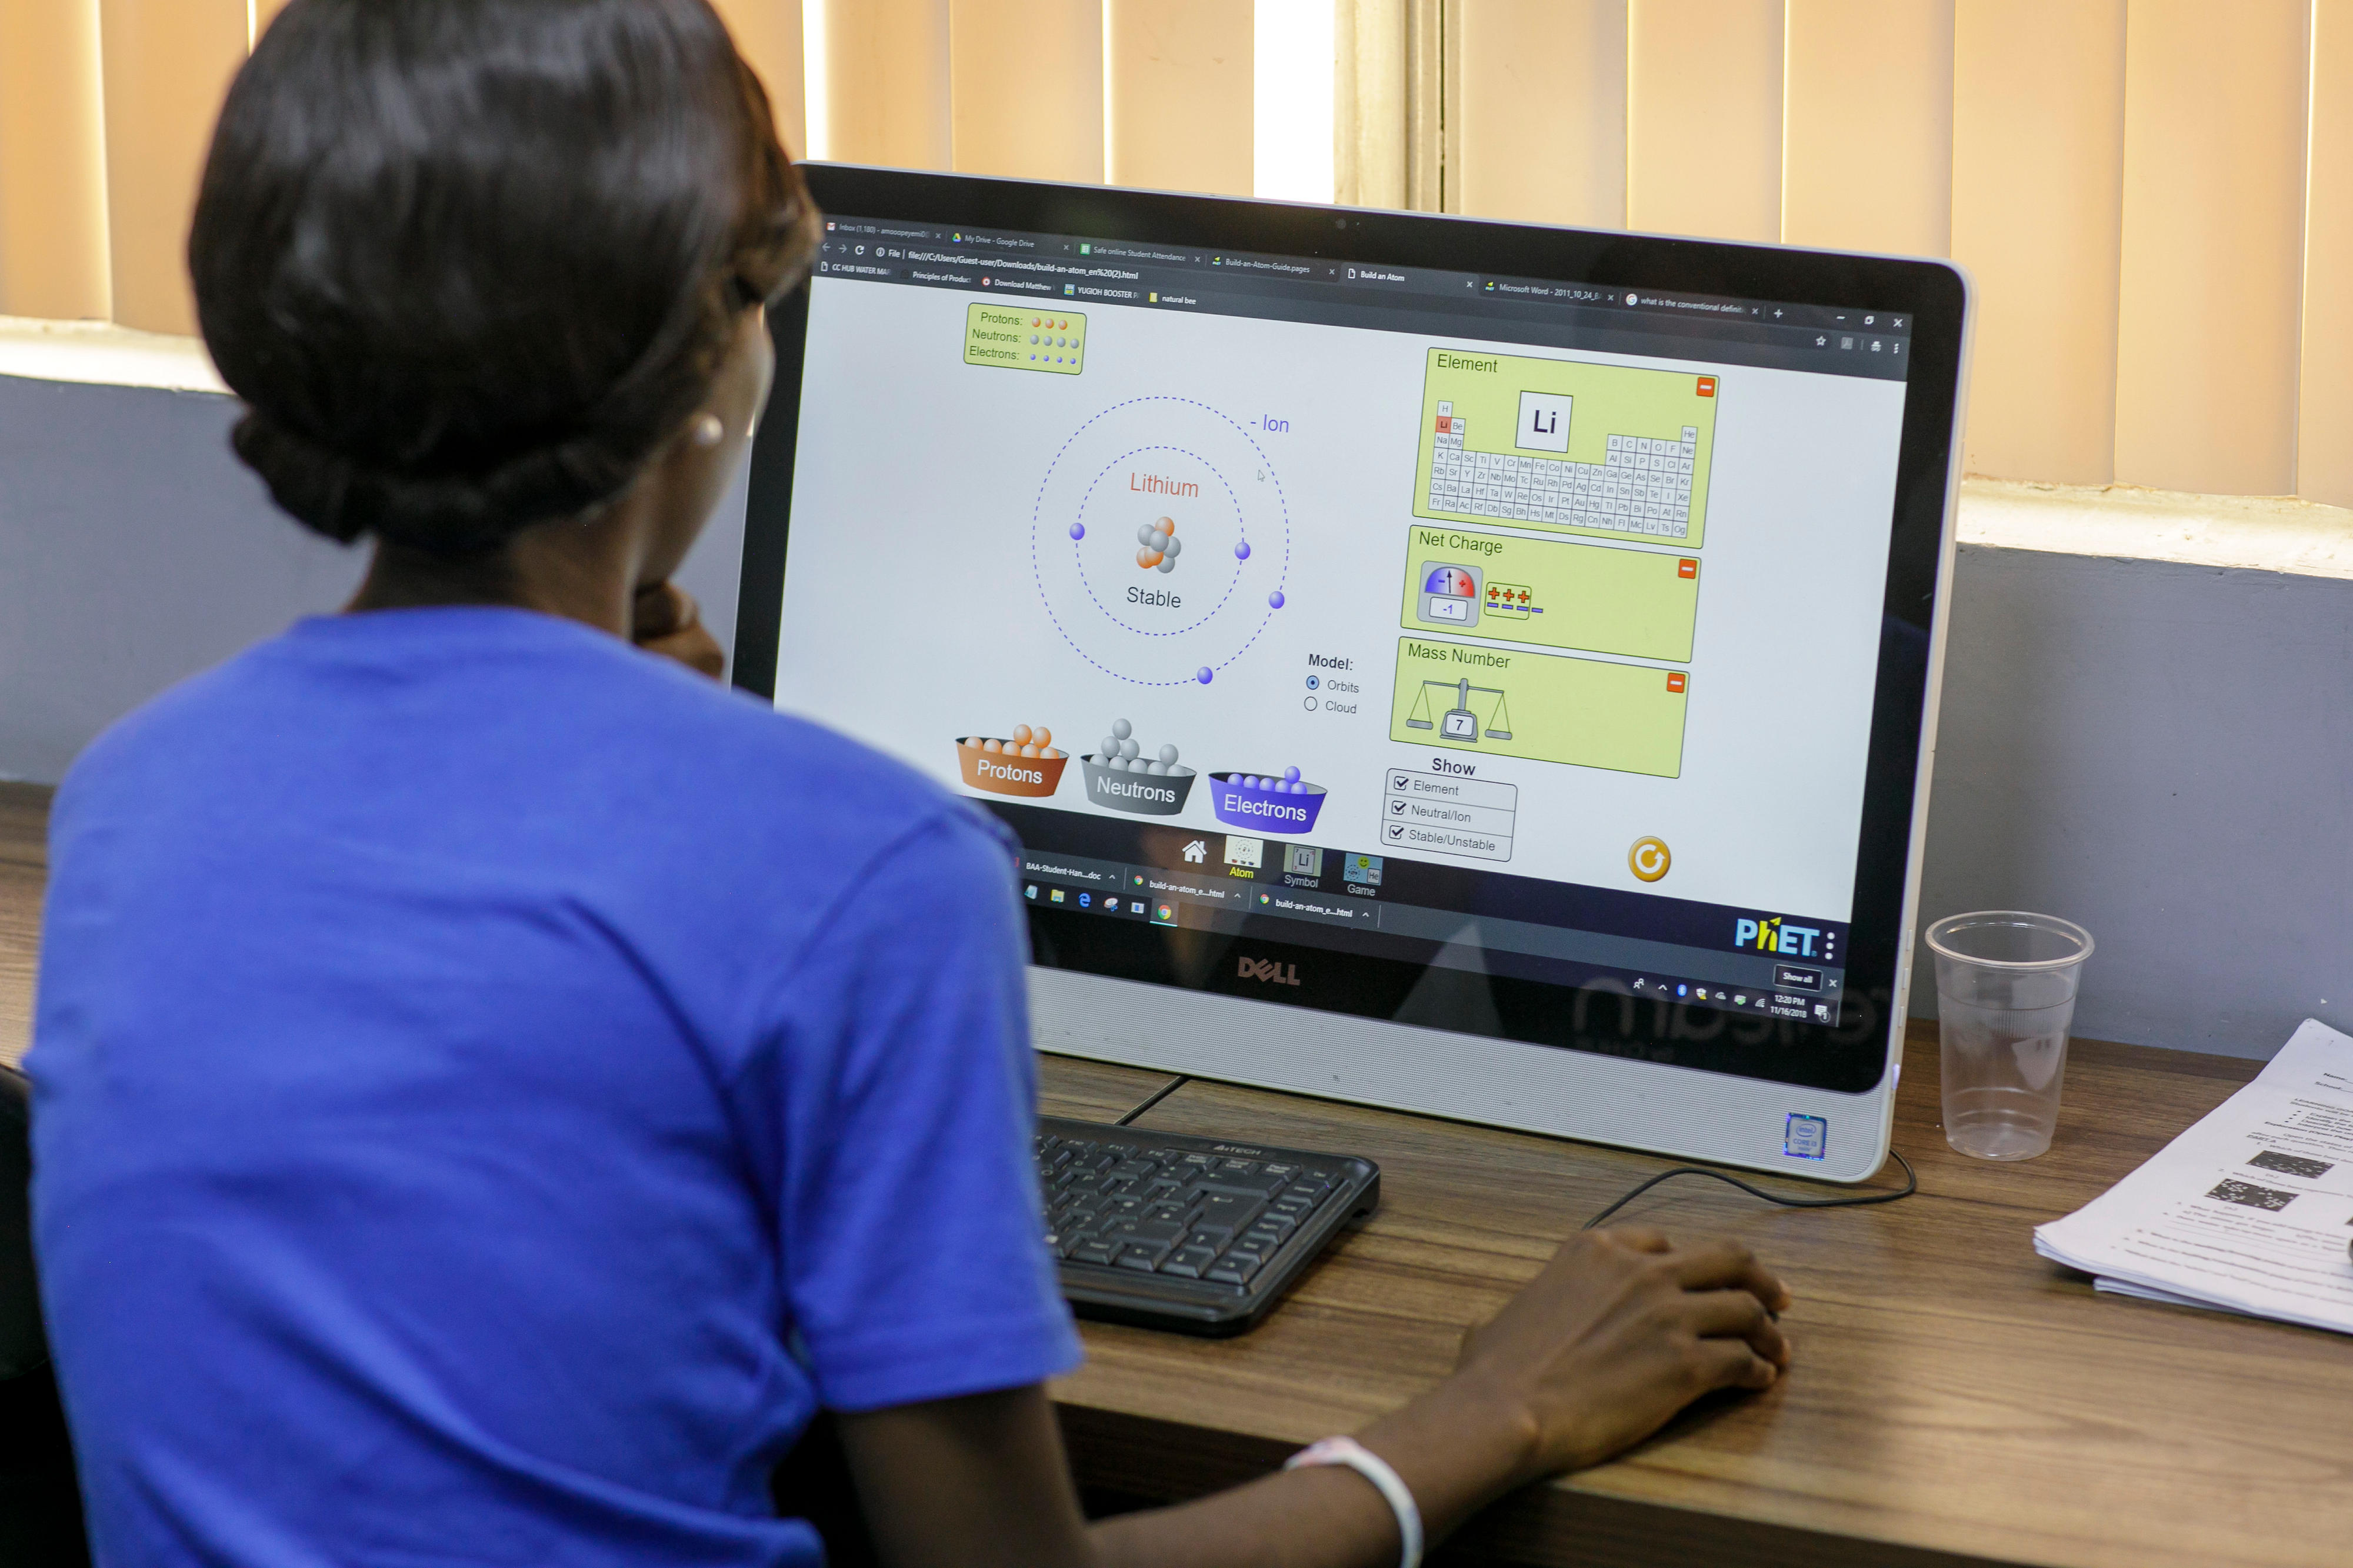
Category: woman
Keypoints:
(495, 1084)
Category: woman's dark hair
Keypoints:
(469, 262)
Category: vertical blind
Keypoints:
(2155, 198)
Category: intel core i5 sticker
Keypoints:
(1806, 1137)
(1012, 338)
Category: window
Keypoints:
(2152, 194)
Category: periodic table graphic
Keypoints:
(1609, 450)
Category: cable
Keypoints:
(1158, 1094)
(1911, 1185)
(1911, 1177)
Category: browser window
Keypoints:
(1486, 622)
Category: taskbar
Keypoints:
(1333, 901)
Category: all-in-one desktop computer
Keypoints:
(1482, 669)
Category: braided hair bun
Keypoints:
(469, 263)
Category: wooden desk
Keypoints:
(24, 868)
(1955, 1399)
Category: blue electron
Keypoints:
(1202, 675)
(1078, 531)
(1290, 775)
(1274, 600)
(1313, 683)
(1242, 550)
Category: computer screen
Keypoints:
(1397, 624)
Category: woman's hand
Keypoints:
(1620, 1330)
(664, 619)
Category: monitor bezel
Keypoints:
(1852, 1057)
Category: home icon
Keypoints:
(1197, 851)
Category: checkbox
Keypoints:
(1397, 808)
(1397, 783)
(1397, 830)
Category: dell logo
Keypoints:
(1263, 969)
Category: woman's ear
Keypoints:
(689, 477)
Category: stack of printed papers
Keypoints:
(2249, 1211)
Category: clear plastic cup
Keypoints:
(2006, 992)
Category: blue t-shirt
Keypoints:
(492, 1085)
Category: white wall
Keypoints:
(135, 549)
(2161, 751)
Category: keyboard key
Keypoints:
(1257, 1183)
(1227, 1211)
(1237, 1267)
(1143, 1259)
(1092, 1252)
(1188, 1262)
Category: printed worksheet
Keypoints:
(2249, 1210)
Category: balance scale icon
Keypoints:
(1460, 722)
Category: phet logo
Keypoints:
(1268, 971)
(1772, 935)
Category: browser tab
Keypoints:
(1357, 291)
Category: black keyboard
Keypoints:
(1190, 1234)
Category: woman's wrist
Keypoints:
(1458, 1447)
(1347, 1452)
